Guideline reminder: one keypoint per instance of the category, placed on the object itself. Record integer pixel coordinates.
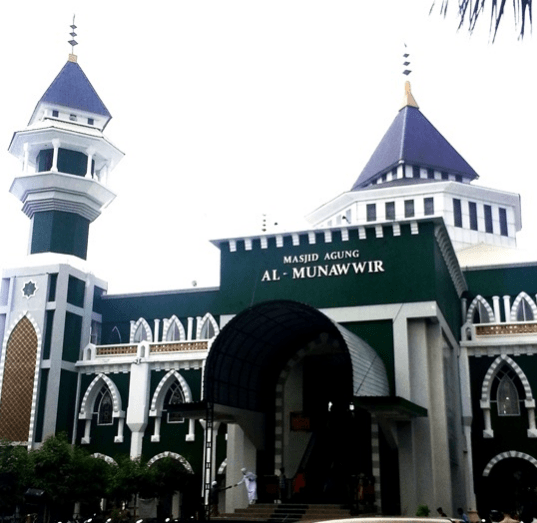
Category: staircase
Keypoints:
(286, 513)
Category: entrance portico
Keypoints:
(285, 377)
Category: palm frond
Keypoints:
(470, 11)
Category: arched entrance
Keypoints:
(288, 375)
(509, 482)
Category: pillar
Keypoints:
(497, 310)
(138, 409)
(56, 145)
(507, 308)
(241, 453)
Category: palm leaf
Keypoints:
(470, 11)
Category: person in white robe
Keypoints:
(250, 482)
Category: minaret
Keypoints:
(65, 160)
(49, 307)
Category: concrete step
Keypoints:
(287, 512)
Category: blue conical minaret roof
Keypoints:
(413, 140)
(72, 89)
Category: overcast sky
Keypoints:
(227, 110)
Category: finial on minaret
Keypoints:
(409, 99)
(406, 62)
(73, 42)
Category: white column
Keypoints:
(440, 462)
(191, 436)
(467, 416)
(120, 427)
(530, 406)
(90, 152)
(532, 432)
(497, 310)
(156, 433)
(487, 432)
(56, 145)
(138, 409)
(240, 453)
(402, 356)
(131, 335)
(470, 493)
(156, 331)
(507, 308)
(189, 329)
(86, 439)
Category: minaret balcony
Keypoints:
(56, 191)
(58, 148)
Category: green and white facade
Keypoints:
(392, 341)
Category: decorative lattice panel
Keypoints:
(506, 329)
(18, 382)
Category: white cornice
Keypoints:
(61, 192)
(450, 258)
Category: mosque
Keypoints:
(388, 345)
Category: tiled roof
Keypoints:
(71, 88)
(413, 140)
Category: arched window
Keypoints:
(174, 397)
(480, 311)
(105, 407)
(140, 331)
(507, 396)
(174, 334)
(115, 336)
(207, 331)
(524, 311)
(175, 330)
(481, 314)
(207, 327)
(140, 334)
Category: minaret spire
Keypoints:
(408, 100)
(72, 42)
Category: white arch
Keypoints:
(88, 404)
(174, 320)
(222, 467)
(517, 303)
(201, 324)
(104, 457)
(157, 403)
(486, 389)
(506, 455)
(117, 333)
(493, 370)
(173, 455)
(479, 299)
(141, 323)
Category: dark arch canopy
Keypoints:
(247, 356)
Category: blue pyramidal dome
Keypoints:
(71, 88)
(413, 140)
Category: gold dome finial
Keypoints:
(409, 99)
